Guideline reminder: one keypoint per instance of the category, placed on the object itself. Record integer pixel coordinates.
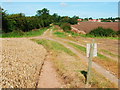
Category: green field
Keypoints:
(24, 34)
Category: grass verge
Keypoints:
(83, 49)
(69, 67)
(73, 34)
(91, 36)
(54, 28)
(60, 34)
(109, 53)
(52, 45)
(24, 34)
(106, 62)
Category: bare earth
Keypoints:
(88, 26)
(48, 77)
(99, 68)
(25, 64)
(21, 63)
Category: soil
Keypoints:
(88, 26)
(49, 77)
(25, 64)
(103, 44)
(21, 62)
(96, 66)
(23, 59)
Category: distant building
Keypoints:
(117, 20)
(98, 20)
(94, 20)
(90, 20)
(79, 19)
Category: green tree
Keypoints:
(42, 12)
(65, 26)
(90, 18)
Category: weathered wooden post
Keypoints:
(90, 56)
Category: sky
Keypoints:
(81, 9)
(60, 0)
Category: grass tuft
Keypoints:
(52, 45)
(70, 67)
(101, 59)
(24, 34)
(83, 49)
(60, 34)
(109, 53)
(91, 36)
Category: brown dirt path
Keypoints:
(26, 59)
(65, 40)
(48, 77)
(96, 66)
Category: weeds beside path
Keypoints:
(97, 67)
(53, 43)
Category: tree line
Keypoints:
(110, 19)
(20, 22)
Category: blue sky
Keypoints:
(81, 9)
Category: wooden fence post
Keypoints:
(90, 64)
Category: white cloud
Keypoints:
(63, 4)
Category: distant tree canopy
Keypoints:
(42, 12)
(90, 18)
(12, 22)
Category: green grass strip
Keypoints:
(73, 33)
(52, 45)
(24, 34)
(60, 34)
(54, 28)
(79, 47)
(107, 52)
(91, 36)
(83, 49)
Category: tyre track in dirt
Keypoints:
(65, 40)
(37, 81)
(107, 74)
(96, 66)
(48, 77)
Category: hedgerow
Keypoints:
(103, 32)
(65, 26)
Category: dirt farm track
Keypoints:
(48, 61)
